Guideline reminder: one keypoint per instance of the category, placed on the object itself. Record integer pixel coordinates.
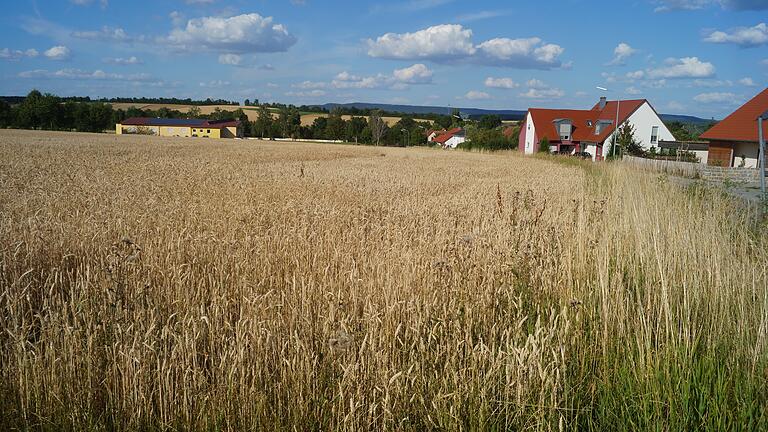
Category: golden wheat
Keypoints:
(172, 283)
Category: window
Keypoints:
(589, 123)
(208, 131)
(565, 131)
(654, 135)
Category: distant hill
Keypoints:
(477, 112)
(667, 118)
(416, 109)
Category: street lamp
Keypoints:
(761, 139)
(616, 129)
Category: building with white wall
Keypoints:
(591, 131)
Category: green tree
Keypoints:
(263, 124)
(544, 146)
(489, 122)
(354, 129)
(336, 127)
(194, 112)
(626, 141)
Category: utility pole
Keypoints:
(761, 139)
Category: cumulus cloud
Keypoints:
(742, 36)
(307, 85)
(241, 34)
(59, 52)
(747, 82)
(400, 79)
(132, 60)
(307, 94)
(215, 84)
(538, 89)
(712, 83)
(543, 94)
(453, 43)
(83, 75)
(476, 95)
(686, 67)
(633, 91)
(416, 74)
(726, 98)
(501, 83)
(621, 53)
(230, 59)
(8, 54)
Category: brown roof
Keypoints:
(195, 123)
(445, 136)
(742, 124)
(583, 121)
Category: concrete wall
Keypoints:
(694, 170)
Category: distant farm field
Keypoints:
(251, 112)
(156, 284)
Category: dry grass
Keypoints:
(169, 283)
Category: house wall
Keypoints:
(231, 132)
(750, 151)
(121, 129)
(643, 120)
(454, 141)
(175, 131)
(206, 132)
(531, 143)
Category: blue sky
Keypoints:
(698, 57)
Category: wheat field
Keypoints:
(174, 284)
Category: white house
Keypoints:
(591, 131)
(451, 138)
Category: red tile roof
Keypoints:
(445, 136)
(583, 121)
(741, 125)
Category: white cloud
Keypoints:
(552, 93)
(106, 34)
(621, 53)
(742, 36)
(133, 60)
(501, 83)
(686, 67)
(728, 98)
(441, 42)
(215, 84)
(8, 54)
(307, 85)
(476, 95)
(248, 33)
(177, 18)
(230, 59)
(633, 91)
(636, 75)
(747, 82)
(400, 79)
(453, 42)
(416, 74)
(312, 93)
(538, 89)
(59, 52)
(712, 83)
(675, 106)
(79, 74)
(670, 5)
(536, 84)
(103, 3)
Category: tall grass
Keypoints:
(167, 284)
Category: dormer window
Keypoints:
(565, 131)
(589, 123)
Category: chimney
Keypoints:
(602, 103)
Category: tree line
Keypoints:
(50, 112)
